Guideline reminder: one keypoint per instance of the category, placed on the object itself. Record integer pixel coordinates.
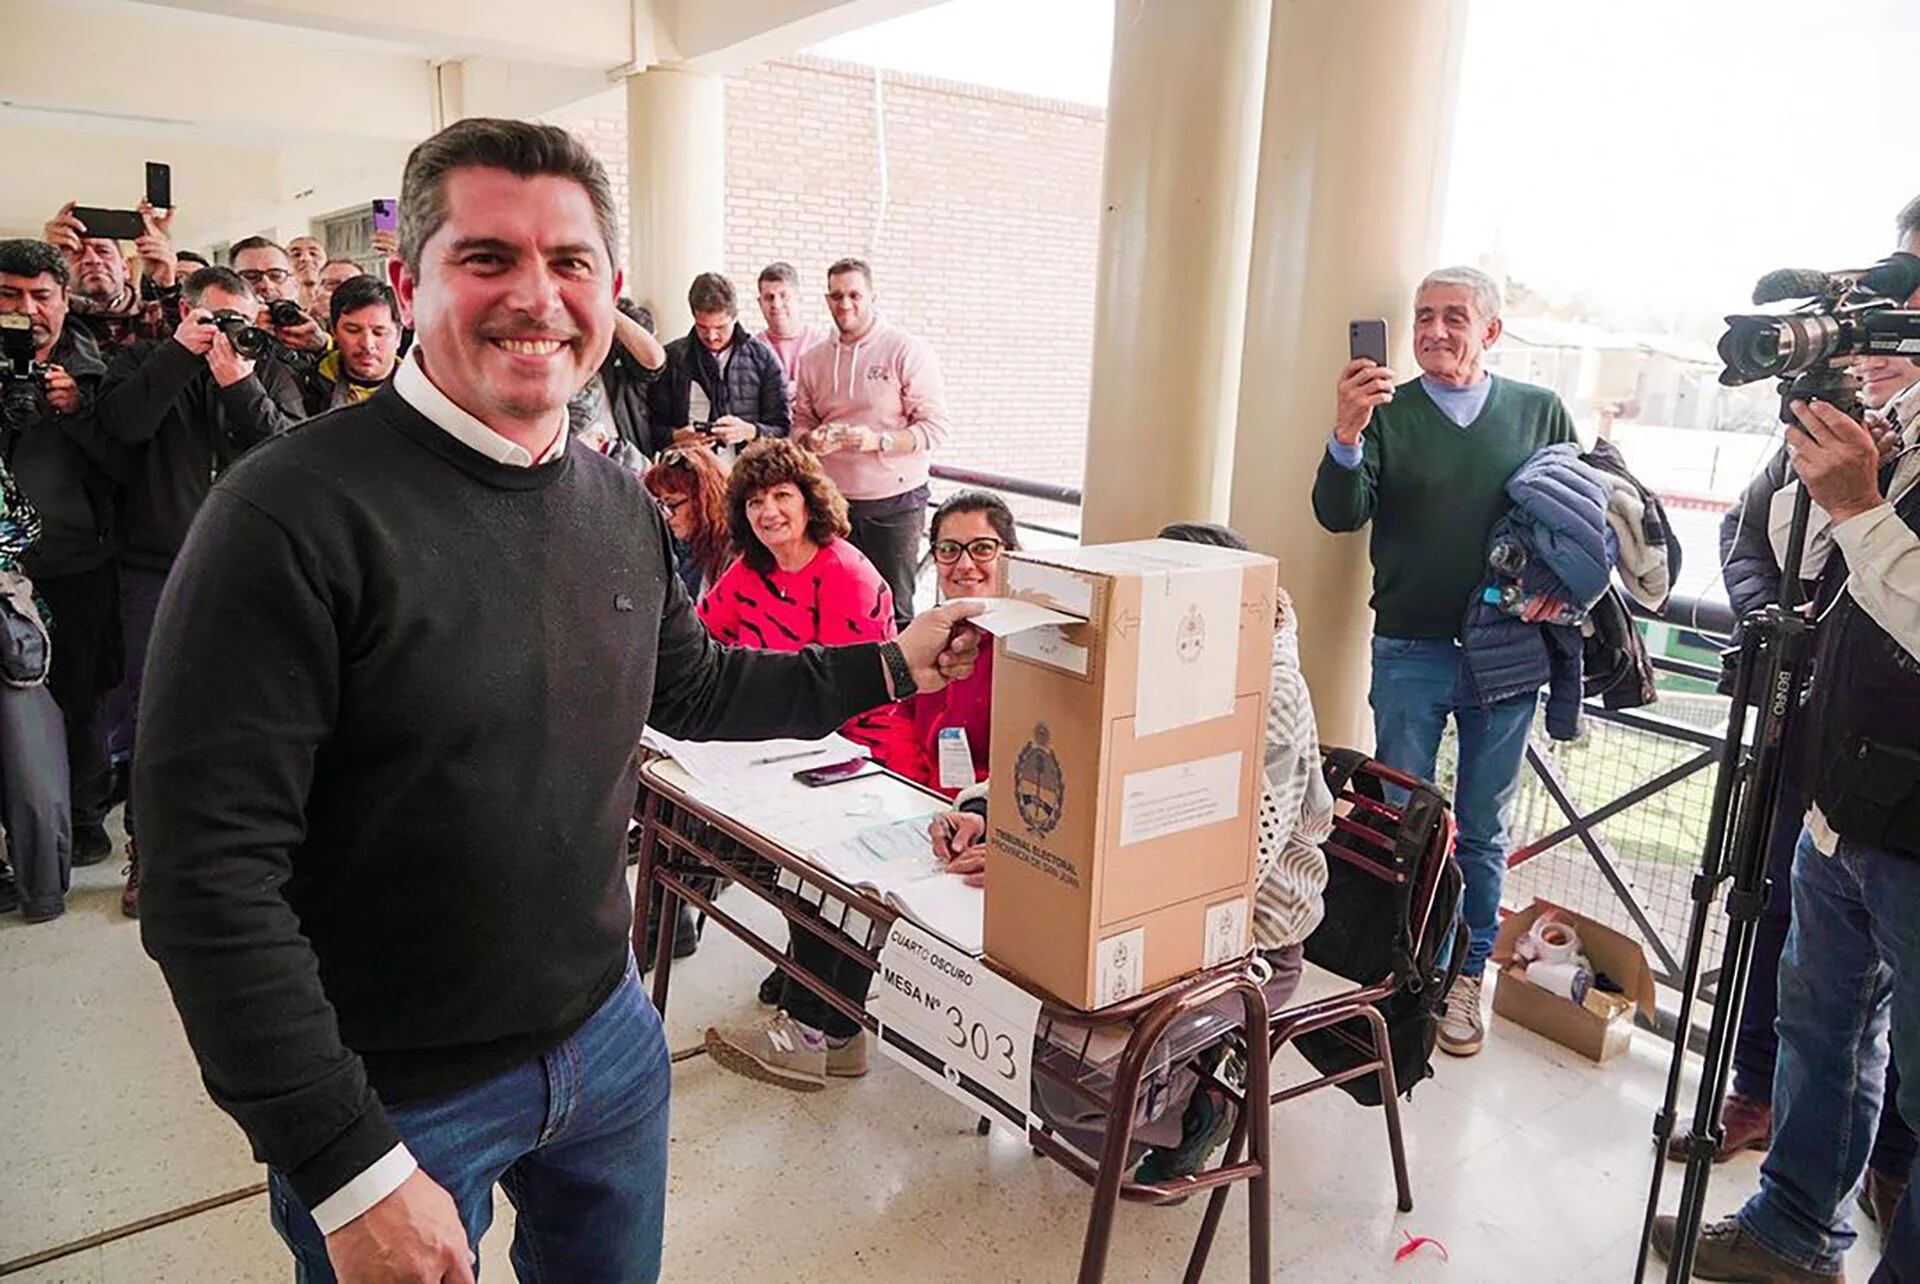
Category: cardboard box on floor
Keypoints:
(1126, 762)
(1600, 1034)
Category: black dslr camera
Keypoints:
(23, 381)
(248, 339)
(1846, 314)
(286, 314)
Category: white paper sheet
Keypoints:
(1171, 800)
(1048, 645)
(1226, 932)
(948, 906)
(1120, 963)
(1070, 592)
(1189, 648)
(1005, 616)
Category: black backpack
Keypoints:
(1365, 935)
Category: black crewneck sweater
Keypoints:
(386, 761)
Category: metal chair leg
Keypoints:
(1390, 1103)
(1216, 1205)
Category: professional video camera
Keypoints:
(247, 339)
(1846, 314)
(23, 381)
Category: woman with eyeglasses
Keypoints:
(970, 532)
(798, 581)
(691, 489)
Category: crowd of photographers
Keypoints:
(130, 383)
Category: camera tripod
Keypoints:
(1770, 673)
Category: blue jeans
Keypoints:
(577, 1139)
(1852, 956)
(1415, 689)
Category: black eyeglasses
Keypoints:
(254, 276)
(982, 550)
(672, 506)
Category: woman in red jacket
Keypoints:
(797, 582)
(970, 532)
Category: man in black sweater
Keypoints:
(387, 759)
(185, 407)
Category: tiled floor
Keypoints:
(1528, 1162)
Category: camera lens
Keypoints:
(286, 313)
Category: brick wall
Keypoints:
(986, 244)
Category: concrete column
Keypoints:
(676, 189)
(1353, 159)
(1176, 226)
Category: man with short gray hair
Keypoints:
(1427, 463)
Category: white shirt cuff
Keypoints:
(378, 1180)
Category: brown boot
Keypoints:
(1728, 1253)
(1880, 1197)
(1745, 1124)
(130, 894)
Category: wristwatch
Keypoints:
(899, 672)
(886, 443)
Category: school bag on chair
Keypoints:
(1366, 935)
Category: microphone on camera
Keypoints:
(1895, 277)
(1790, 283)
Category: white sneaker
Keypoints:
(1462, 1029)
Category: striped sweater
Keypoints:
(1296, 807)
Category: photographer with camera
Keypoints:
(108, 303)
(1752, 538)
(50, 440)
(366, 346)
(193, 404)
(1849, 984)
(268, 272)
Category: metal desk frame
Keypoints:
(684, 843)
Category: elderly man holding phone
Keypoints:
(1426, 462)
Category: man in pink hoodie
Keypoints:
(870, 402)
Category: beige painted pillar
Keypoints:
(1353, 159)
(676, 188)
(1176, 225)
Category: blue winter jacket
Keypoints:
(1560, 519)
(1560, 505)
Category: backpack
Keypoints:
(1352, 942)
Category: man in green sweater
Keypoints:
(1427, 463)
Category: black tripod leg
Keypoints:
(1788, 643)
(1713, 862)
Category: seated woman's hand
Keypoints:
(959, 844)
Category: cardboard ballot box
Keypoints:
(1126, 764)
(1602, 1026)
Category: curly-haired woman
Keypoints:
(691, 488)
(798, 582)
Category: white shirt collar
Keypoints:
(418, 390)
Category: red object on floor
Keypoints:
(1415, 1243)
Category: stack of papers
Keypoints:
(870, 834)
(745, 763)
(896, 862)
